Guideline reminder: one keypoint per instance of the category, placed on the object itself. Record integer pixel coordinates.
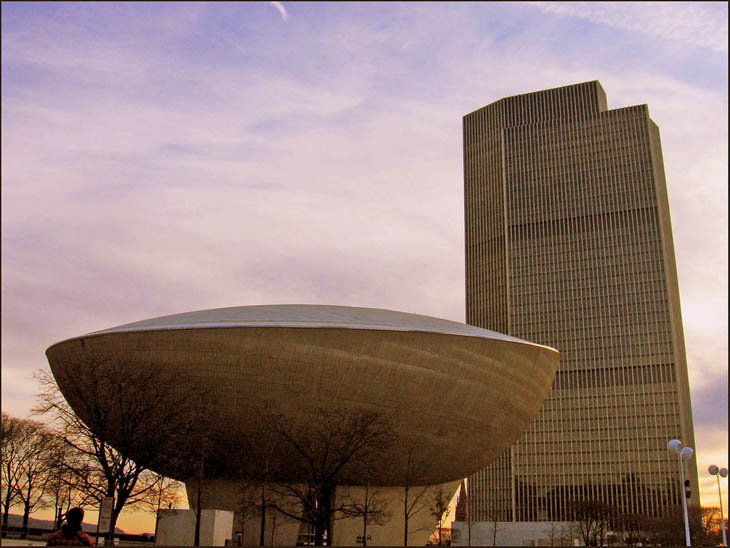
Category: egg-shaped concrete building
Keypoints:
(461, 394)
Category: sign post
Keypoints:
(105, 516)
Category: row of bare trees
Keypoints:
(42, 468)
(293, 471)
(67, 461)
(598, 524)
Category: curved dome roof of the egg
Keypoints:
(309, 316)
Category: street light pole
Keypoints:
(718, 472)
(684, 454)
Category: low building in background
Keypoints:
(515, 533)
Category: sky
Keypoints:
(161, 158)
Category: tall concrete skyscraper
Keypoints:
(569, 244)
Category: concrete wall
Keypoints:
(177, 528)
(282, 531)
(228, 495)
(347, 532)
(515, 533)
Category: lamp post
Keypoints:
(684, 454)
(720, 472)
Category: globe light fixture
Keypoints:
(686, 453)
(675, 446)
(683, 454)
(718, 473)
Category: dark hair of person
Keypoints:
(74, 517)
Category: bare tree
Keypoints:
(443, 536)
(372, 508)
(438, 508)
(493, 518)
(668, 529)
(129, 419)
(560, 534)
(61, 489)
(263, 456)
(247, 503)
(415, 498)
(706, 525)
(593, 518)
(661, 530)
(164, 493)
(13, 432)
(193, 460)
(254, 465)
(633, 527)
(324, 450)
(32, 479)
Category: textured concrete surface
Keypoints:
(461, 399)
(177, 528)
(455, 396)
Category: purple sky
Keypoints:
(160, 158)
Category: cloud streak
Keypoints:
(700, 23)
(280, 8)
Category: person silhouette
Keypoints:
(70, 533)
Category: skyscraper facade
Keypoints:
(569, 244)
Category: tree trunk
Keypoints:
(26, 513)
(59, 516)
(263, 502)
(157, 514)
(405, 518)
(244, 510)
(365, 517)
(262, 533)
(322, 517)
(199, 505)
(318, 533)
(6, 510)
(328, 516)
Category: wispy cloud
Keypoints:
(280, 8)
(698, 23)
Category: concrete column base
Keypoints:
(177, 528)
(349, 531)
(234, 496)
(283, 531)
